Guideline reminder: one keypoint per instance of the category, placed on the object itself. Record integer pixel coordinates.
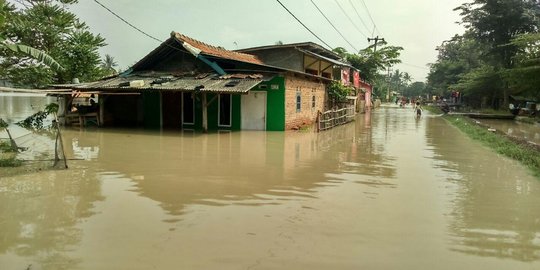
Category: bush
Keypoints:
(338, 92)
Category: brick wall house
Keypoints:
(304, 98)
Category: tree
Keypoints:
(457, 57)
(369, 62)
(108, 65)
(524, 78)
(46, 25)
(495, 23)
(415, 89)
(23, 49)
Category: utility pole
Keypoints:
(389, 82)
(376, 39)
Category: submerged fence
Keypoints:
(332, 118)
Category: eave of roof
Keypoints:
(231, 83)
(310, 46)
(335, 62)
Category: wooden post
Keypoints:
(101, 114)
(204, 113)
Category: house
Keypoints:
(188, 84)
(311, 58)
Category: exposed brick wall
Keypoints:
(308, 88)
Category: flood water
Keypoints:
(526, 131)
(384, 192)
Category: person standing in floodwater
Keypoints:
(418, 109)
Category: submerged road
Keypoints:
(387, 191)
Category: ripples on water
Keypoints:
(345, 198)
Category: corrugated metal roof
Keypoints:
(309, 46)
(335, 62)
(216, 51)
(231, 83)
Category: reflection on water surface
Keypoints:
(342, 199)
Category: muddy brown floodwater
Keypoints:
(384, 192)
(525, 131)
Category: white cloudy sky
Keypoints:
(417, 25)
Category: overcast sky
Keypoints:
(416, 25)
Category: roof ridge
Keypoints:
(190, 39)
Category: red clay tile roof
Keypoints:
(218, 52)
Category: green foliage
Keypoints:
(108, 65)
(341, 51)
(482, 82)
(52, 108)
(415, 89)
(3, 124)
(47, 26)
(497, 22)
(457, 57)
(370, 61)
(8, 155)
(35, 121)
(10, 162)
(5, 147)
(35, 54)
(338, 92)
(524, 78)
(496, 57)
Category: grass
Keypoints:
(10, 162)
(7, 156)
(502, 144)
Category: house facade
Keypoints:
(188, 84)
(311, 58)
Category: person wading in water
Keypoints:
(418, 109)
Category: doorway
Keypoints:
(254, 111)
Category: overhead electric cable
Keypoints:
(415, 66)
(350, 20)
(128, 23)
(307, 28)
(359, 17)
(328, 20)
(371, 18)
(141, 31)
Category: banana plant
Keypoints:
(33, 53)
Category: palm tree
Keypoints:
(108, 65)
(406, 78)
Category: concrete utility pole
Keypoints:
(389, 81)
(376, 39)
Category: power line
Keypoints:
(307, 28)
(376, 39)
(128, 23)
(136, 28)
(415, 66)
(371, 18)
(359, 17)
(350, 20)
(328, 20)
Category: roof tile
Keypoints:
(218, 52)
